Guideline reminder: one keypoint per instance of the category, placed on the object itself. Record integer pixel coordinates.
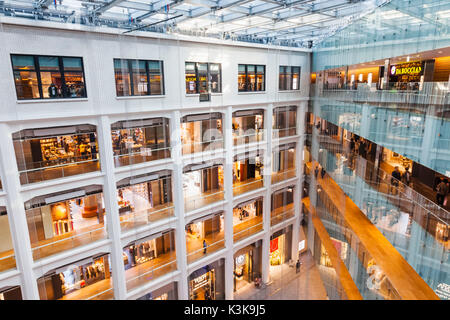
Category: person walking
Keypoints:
(297, 266)
(406, 176)
(204, 246)
(396, 176)
(442, 191)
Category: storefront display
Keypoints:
(247, 167)
(247, 211)
(247, 265)
(201, 132)
(247, 122)
(74, 277)
(202, 178)
(280, 246)
(208, 282)
(55, 215)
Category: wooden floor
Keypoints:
(350, 289)
(409, 285)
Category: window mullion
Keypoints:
(37, 68)
(63, 80)
(148, 78)
(130, 73)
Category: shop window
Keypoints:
(247, 126)
(51, 153)
(11, 293)
(202, 132)
(247, 173)
(7, 258)
(70, 219)
(289, 78)
(137, 141)
(89, 279)
(48, 77)
(284, 121)
(282, 205)
(203, 77)
(247, 218)
(251, 77)
(149, 258)
(146, 202)
(138, 77)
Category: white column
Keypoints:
(228, 216)
(16, 216)
(268, 194)
(111, 206)
(177, 178)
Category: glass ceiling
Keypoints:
(295, 23)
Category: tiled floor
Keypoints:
(286, 284)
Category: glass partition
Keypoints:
(204, 236)
(247, 219)
(283, 163)
(149, 258)
(146, 202)
(247, 173)
(284, 121)
(56, 152)
(282, 205)
(137, 141)
(60, 222)
(88, 279)
(202, 186)
(201, 133)
(248, 126)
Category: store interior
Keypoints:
(247, 216)
(201, 132)
(142, 203)
(245, 172)
(247, 266)
(282, 205)
(284, 121)
(64, 220)
(136, 144)
(7, 260)
(247, 126)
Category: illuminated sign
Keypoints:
(200, 281)
(240, 260)
(411, 68)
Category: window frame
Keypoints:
(247, 82)
(197, 78)
(129, 70)
(289, 86)
(37, 69)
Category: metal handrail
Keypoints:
(56, 166)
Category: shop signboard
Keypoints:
(406, 72)
(200, 281)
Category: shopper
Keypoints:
(204, 246)
(322, 172)
(396, 176)
(316, 171)
(352, 145)
(442, 191)
(297, 266)
(406, 176)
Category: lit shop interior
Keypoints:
(86, 279)
(284, 121)
(251, 77)
(280, 246)
(56, 220)
(247, 172)
(145, 198)
(201, 132)
(167, 292)
(283, 162)
(7, 260)
(247, 218)
(48, 77)
(203, 77)
(136, 141)
(204, 235)
(149, 258)
(208, 282)
(202, 184)
(282, 205)
(10, 293)
(420, 71)
(247, 265)
(51, 153)
(248, 126)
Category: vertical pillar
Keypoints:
(267, 176)
(301, 110)
(228, 217)
(111, 206)
(16, 215)
(177, 177)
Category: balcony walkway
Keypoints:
(409, 285)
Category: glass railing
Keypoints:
(67, 242)
(245, 186)
(281, 214)
(283, 175)
(245, 138)
(143, 155)
(107, 294)
(203, 199)
(371, 280)
(147, 274)
(202, 146)
(434, 93)
(250, 227)
(193, 255)
(143, 217)
(403, 216)
(283, 132)
(7, 261)
(56, 169)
